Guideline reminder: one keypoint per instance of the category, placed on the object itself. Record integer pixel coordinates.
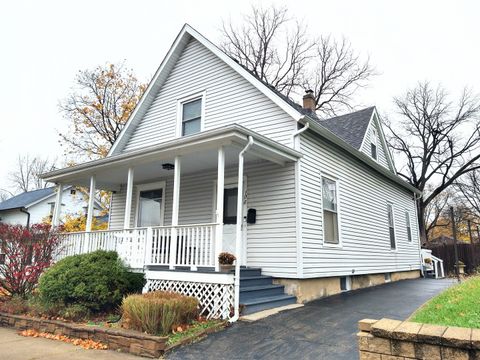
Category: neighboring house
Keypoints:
(35, 206)
(214, 160)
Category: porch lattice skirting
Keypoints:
(215, 292)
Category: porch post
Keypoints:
(128, 202)
(58, 206)
(219, 211)
(175, 206)
(91, 202)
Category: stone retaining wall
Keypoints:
(387, 339)
(127, 341)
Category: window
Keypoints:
(409, 227)
(330, 211)
(191, 117)
(391, 226)
(388, 277)
(150, 207)
(345, 283)
(374, 144)
(230, 206)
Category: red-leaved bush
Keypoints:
(26, 253)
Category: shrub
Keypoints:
(97, 281)
(157, 312)
(26, 253)
(14, 305)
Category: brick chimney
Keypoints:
(309, 100)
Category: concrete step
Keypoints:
(252, 292)
(268, 302)
(247, 281)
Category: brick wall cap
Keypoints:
(431, 334)
(457, 337)
(407, 331)
(384, 327)
(366, 324)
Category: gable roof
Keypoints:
(351, 127)
(27, 198)
(182, 39)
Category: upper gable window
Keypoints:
(374, 144)
(191, 115)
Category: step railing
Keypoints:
(193, 245)
(436, 263)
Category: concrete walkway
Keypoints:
(16, 347)
(323, 329)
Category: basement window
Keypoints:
(345, 283)
(388, 277)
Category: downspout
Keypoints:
(24, 210)
(238, 232)
(298, 202)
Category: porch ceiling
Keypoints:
(199, 153)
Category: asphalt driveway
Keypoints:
(323, 329)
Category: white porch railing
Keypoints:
(436, 264)
(194, 246)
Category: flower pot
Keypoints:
(226, 268)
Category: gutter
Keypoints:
(238, 232)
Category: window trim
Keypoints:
(186, 99)
(150, 186)
(339, 216)
(394, 229)
(408, 225)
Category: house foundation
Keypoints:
(311, 289)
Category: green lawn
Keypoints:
(457, 306)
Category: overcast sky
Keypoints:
(44, 44)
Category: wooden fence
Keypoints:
(469, 254)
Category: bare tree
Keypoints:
(436, 212)
(98, 108)
(438, 141)
(470, 189)
(26, 176)
(279, 51)
(338, 73)
(5, 194)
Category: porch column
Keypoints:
(219, 210)
(58, 206)
(128, 202)
(91, 202)
(175, 206)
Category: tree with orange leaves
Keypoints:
(98, 108)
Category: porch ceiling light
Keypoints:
(168, 166)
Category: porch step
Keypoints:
(248, 271)
(252, 292)
(268, 302)
(247, 281)
(258, 293)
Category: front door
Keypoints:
(230, 219)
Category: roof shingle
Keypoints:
(27, 198)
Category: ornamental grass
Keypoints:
(158, 312)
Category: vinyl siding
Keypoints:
(271, 242)
(381, 151)
(229, 99)
(364, 232)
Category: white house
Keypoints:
(35, 206)
(212, 159)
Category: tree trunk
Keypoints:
(421, 220)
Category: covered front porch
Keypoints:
(176, 205)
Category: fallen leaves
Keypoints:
(85, 344)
